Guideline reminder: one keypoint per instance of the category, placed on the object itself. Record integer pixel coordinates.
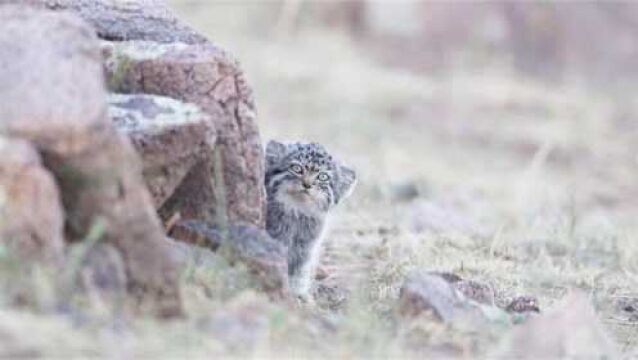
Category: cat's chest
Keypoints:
(290, 226)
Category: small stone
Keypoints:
(425, 292)
(523, 304)
(330, 297)
(405, 191)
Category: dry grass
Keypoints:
(523, 185)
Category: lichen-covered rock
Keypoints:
(330, 296)
(479, 292)
(265, 257)
(155, 53)
(229, 181)
(437, 296)
(170, 136)
(54, 95)
(473, 290)
(31, 215)
(523, 304)
(485, 293)
(126, 20)
(626, 308)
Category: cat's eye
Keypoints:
(323, 177)
(296, 168)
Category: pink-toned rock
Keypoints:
(54, 95)
(170, 136)
(155, 53)
(31, 214)
(126, 20)
(228, 182)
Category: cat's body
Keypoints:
(303, 183)
(302, 235)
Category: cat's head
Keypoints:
(306, 176)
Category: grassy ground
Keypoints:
(489, 175)
(486, 173)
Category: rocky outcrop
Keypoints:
(177, 100)
(228, 181)
(51, 61)
(31, 215)
(153, 52)
(148, 50)
(170, 136)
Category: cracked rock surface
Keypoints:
(170, 136)
(230, 178)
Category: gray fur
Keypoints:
(296, 215)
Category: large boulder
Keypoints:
(54, 95)
(170, 136)
(148, 50)
(31, 215)
(228, 181)
(154, 53)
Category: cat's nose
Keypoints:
(306, 185)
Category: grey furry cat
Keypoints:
(303, 183)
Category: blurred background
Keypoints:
(526, 104)
(493, 139)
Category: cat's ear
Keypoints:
(275, 152)
(347, 182)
